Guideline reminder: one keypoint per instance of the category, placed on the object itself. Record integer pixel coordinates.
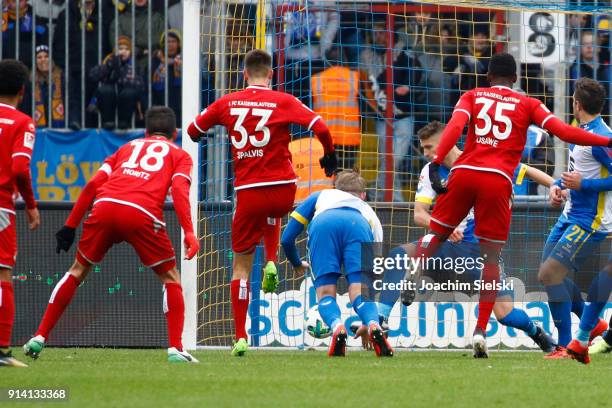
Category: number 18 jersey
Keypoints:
(141, 172)
(258, 120)
(498, 122)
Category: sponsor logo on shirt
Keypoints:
(28, 140)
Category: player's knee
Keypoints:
(6, 274)
(80, 271)
(171, 276)
(550, 273)
(502, 308)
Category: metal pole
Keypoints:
(149, 59)
(100, 56)
(17, 30)
(67, 69)
(133, 35)
(33, 67)
(49, 111)
(166, 61)
(82, 100)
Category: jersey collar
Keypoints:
(257, 87)
(592, 124)
(7, 106)
(502, 87)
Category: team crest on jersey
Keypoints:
(28, 140)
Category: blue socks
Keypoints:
(330, 312)
(575, 296)
(598, 295)
(367, 311)
(561, 309)
(518, 319)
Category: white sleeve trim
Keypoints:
(22, 154)
(313, 122)
(106, 168)
(464, 111)
(182, 175)
(546, 119)
(197, 127)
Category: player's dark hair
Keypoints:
(591, 95)
(160, 120)
(350, 181)
(14, 75)
(502, 65)
(430, 129)
(258, 63)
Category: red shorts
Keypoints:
(253, 208)
(111, 223)
(8, 240)
(489, 193)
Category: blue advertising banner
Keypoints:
(64, 161)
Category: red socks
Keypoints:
(490, 275)
(427, 246)
(174, 309)
(7, 313)
(271, 239)
(60, 298)
(240, 290)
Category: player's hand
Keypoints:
(436, 182)
(571, 180)
(329, 163)
(64, 238)
(365, 337)
(192, 245)
(33, 217)
(456, 236)
(556, 196)
(301, 270)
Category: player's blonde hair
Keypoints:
(350, 181)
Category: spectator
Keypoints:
(239, 41)
(471, 71)
(28, 31)
(48, 9)
(603, 39)
(406, 73)
(423, 31)
(538, 153)
(372, 58)
(335, 96)
(141, 28)
(175, 16)
(586, 66)
(45, 68)
(77, 30)
(576, 26)
(119, 87)
(170, 67)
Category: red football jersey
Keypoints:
(498, 122)
(17, 135)
(141, 172)
(258, 119)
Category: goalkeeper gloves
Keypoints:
(192, 245)
(434, 177)
(329, 163)
(64, 238)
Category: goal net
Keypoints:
(378, 72)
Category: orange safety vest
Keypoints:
(305, 154)
(335, 96)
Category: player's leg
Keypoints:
(392, 277)
(329, 310)
(240, 292)
(271, 239)
(510, 316)
(492, 214)
(8, 252)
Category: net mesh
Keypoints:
(378, 72)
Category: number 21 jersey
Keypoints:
(258, 120)
(141, 172)
(498, 122)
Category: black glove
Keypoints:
(434, 178)
(64, 238)
(329, 162)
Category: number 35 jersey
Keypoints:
(498, 122)
(258, 120)
(141, 172)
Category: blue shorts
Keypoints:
(571, 244)
(335, 240)
(468, 271)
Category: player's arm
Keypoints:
(574, 180)
(422, 216)
(541, 116)
(208, 118)
(536, 175)
(20, 168)
(181, 183)
(454, 128)
(298, 220)
(306, 117)
(423, 199)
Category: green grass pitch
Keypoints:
(143, 378)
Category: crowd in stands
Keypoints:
(101, 63)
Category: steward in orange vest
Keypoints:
(305, 154)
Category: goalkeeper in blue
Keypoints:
(585, 222)
(340, 226)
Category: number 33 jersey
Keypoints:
(141, 172)
(498, 122)
(258, 120)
